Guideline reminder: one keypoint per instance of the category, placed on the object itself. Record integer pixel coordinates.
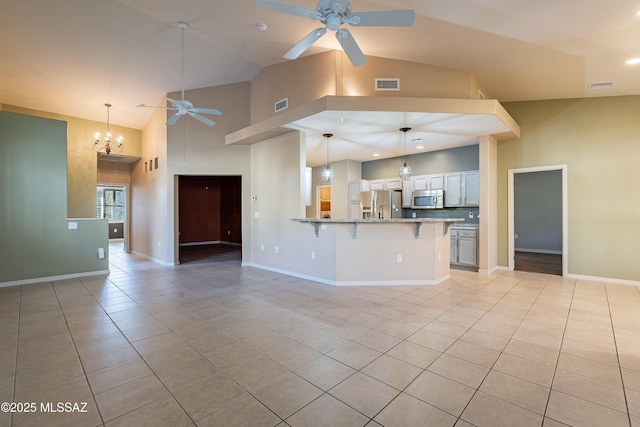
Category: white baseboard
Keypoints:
(604, 279)
(350, 283)
(166, 264)
(493, 270)
(53, 278)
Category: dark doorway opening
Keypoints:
(210, 219)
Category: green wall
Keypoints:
(36, 241)
(599, 141)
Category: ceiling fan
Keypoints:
(182, 106)
(335, 13)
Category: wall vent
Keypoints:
(388, 84)
(600, 85)
(282, 104)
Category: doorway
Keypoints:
(538, 220)
(209, 219)
(111, 204)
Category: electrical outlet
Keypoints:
(398, 258)
(256, 214)
(262, 248)
(470, 214)
(313, 255)
(229, 232)
(277, 250)
(439, 256)
(101, 253)
(73, 225)
(515, 236)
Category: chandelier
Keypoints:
(106, 144)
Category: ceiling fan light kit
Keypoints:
(182, 107)
(334, 14)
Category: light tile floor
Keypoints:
(222, 345)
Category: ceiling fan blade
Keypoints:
(287, 8)
(339, 6)
(305, 43)
(174, 118)
(386, 18)
(350, 47)
(203, 119)
(205, 111)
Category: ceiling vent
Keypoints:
(600, 85)
(388, 84)
(282, 104)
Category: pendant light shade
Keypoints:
(405, 171)
(327, 172)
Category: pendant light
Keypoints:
(405, 171)
(106, 144)
(327, 172)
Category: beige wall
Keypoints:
(330, 73)
(82, 159)
(597, 139)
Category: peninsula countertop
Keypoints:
(317, 222)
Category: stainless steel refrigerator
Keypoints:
(380, 204)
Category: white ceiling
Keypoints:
(72, 56)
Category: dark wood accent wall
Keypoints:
(209, 209)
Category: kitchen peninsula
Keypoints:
(398, 251)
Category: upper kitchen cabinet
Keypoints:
(462, 189)
(436, 182)
(356, 187)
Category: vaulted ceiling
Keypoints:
(72, 56)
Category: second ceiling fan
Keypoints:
(183, 107)
(335, 13)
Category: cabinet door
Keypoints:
(377, 184)
(393, 184)
(471, 189)
(453, 256)
(354, 210)
(421, 183)
(467, 251)
(436, 182)
(355, 187)
(407, 188)
(452, 189)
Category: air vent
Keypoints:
(388, 84)
(600, 85)
(282, 104)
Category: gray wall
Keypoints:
(35, 240)
(538, 211)
(441, 161)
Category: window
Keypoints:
(110, 204)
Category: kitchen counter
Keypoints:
(353, 252)
(317, 222)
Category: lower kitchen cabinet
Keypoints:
(464, 247)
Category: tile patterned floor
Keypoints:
(216, 344)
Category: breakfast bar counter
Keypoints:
(402, 251)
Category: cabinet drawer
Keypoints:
(467, 233)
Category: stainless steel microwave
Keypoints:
(427, 199)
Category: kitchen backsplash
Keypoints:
(445, 213)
